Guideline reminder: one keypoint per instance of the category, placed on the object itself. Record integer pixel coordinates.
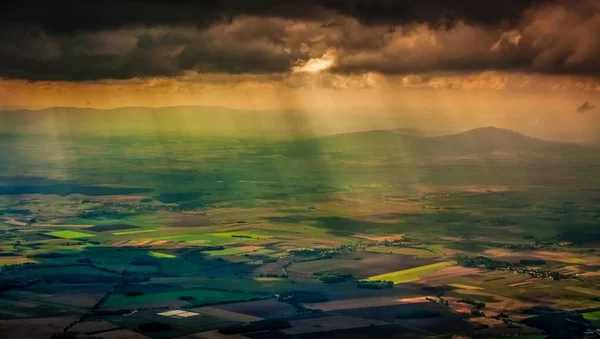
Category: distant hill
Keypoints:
(409, 131)
(492, 139)
(417, 132)
(479, 140)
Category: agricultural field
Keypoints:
(594, 317)
(70, 234)
(194, 297)
(228, 238)
(410, 274)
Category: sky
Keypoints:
(529, 65)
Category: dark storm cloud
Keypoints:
(93, 40)
(435, 12)
(554, 38)
(69, 16)
(128, 53)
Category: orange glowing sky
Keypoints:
(530, 65)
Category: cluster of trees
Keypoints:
(477, 305)
(477, 313)
(295, 298)
(477, 309)
(329, 250)
(332, 277)
(15, 267)
(7, 285)
(209, 248)
(273, 275)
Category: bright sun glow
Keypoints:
(317, 65)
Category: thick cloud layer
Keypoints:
(552, 39)
(95, 40)
(69, 16)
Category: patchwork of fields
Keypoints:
(247, 241)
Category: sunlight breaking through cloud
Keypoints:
(316, 65)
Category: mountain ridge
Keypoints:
(478, 140)
(478, 131)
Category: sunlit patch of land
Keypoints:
(411, 274)
(156, 254)
(66, 234)
(465, 287)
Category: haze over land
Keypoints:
(292, 123)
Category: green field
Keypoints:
(202, 296)
(69, 234)
(133, 232)
(593, 317)
(250, 285)
(434, 248)
(583, 290)
(227, 251)
(411, 274)
(204, 239)
(161, 255)
(242, 235)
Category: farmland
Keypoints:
(196, 297)
(592, 316)
(148, 237)
(410, 274)
(70, 234)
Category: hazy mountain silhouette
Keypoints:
(418, 132)
(409, 131)
(286, 125)
(479, 140)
